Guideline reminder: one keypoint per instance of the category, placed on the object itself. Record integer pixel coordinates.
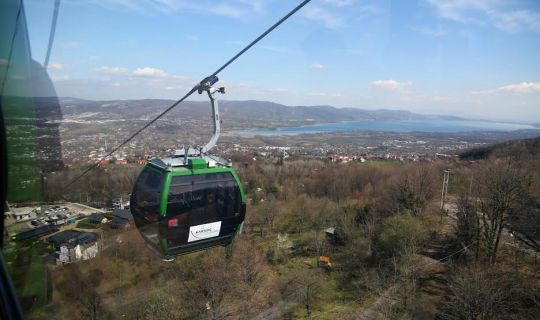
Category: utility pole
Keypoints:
(470, 187)
(446, 178)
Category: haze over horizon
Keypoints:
(474, 59)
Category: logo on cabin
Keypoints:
(204, 231)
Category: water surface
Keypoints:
(447, 126)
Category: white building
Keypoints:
(72, 246)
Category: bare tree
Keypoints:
(499, 188)
(467, 226)
(304, 285)
(82, 288)
(488, 293)
(205, 296)
(524, 220)
(159, 305)
(269, 211)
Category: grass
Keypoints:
(17, 228)
(385, 163)
(10, 254)
(86, 224)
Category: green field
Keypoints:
(385, 163)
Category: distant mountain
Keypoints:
(233, 111)
(523, 147)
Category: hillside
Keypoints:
(237, 112)
(524, 147)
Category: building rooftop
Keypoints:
(123, 214)
(119, 223)
(72, 238)
(96, 217)
(35, 233)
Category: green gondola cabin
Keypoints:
(183, 205)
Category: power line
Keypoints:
(195, 88)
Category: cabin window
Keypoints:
(147, 200)
(207, 197)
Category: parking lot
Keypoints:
(26, 218)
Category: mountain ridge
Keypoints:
(519, 147)
(234, 110)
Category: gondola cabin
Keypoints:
(183, 205)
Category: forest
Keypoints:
(327, 240)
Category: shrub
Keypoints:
(402, 232)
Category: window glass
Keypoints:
(209, 197)
(147, 195)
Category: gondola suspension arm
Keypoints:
(206, 85)
(211, 91)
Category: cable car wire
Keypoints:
(51, 35)
(195, 88)
(293, 11)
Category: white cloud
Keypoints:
(517, 20)
(274, 48)
(111, 70)
(116, 84)
(444, 99)
(432, 32)
(149, 72)
(339, 3)
(232, 9)
(503, 15)
(226, 11)
(61, 78)
(317, 66)
(329, 19)
(518, 88)
(391, 85)
(55, 66)
(256, 5)
(71, 45)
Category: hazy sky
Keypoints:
(475, 58)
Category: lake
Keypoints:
(447, 126)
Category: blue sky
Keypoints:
(474, 58)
